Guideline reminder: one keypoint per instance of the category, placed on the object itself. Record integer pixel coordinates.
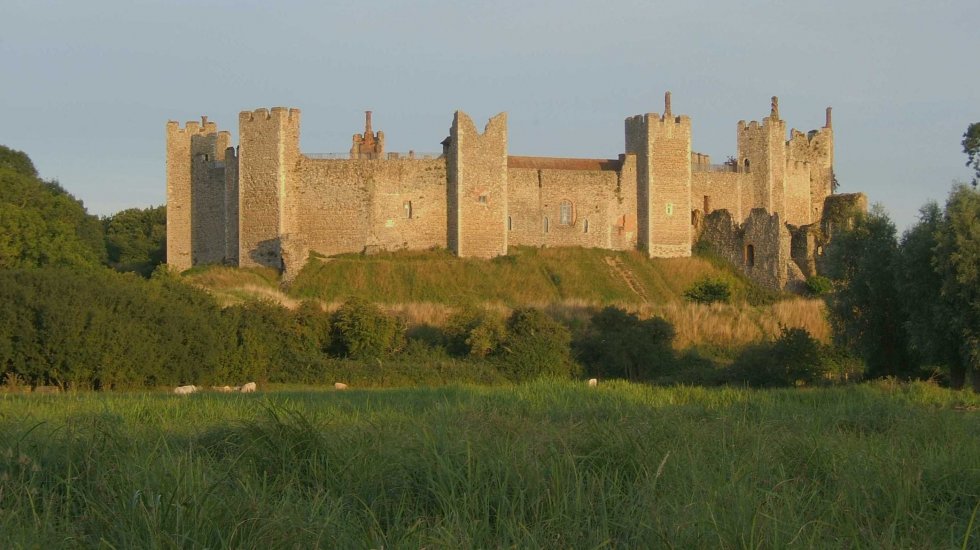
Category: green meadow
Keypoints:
(543, 465)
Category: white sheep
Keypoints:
(339, 386)
(248, 388)
(222, 389)
(185, 390)
(593, 382)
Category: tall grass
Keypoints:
(543, 465)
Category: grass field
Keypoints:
(546, 465)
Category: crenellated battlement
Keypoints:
(266, 203)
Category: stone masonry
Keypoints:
(268, 204)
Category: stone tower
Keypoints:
(762, 153)
(196, 189)
(662, 145)
(267, 170)
(477, 187)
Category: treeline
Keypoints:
(910, 306)
(104, 330)
(41, 224)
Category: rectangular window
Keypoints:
(408, 209)
(482, 199)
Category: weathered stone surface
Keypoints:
(268, 204)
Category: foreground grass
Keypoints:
(544, 465)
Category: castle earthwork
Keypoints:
(265, 203)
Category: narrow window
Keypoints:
(585, 226)
(510, 224)
(546, 224)
(408, 209)
(746, 165)
(670, 209)
(565, 213)
(749, 255)
(482, 199)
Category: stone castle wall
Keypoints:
(267, 204)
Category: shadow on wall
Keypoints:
(268, 253)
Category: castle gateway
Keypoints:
(265, 203)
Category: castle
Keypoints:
(265, 203)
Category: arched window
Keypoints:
(585, 226)
(746, 165)
(565, 213)
(546, 224)
(749, 255)
(510, 224)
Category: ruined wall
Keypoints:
(820, 155)
(195, 193)
(761, 247)
(763, 146)
(840, 211)
(343, 206)
(623, 233)
(267, 164)
(477, 174)
(805, 246)
(712, 191)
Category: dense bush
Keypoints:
(709, 291)
(536, 346)
(620, 345)
(362, 331)
(474, 332)
(136, 239)
(793, 359)
(817, 285)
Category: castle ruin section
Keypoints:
(266, 203)
(196, 191)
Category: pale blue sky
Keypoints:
(87, 87)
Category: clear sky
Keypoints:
(87, 87)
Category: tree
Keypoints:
(621, 345)
(957, 261)
(971, 146)
(136, 239)
(865, 311)
(536, 346)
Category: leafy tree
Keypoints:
(18, 161)
(621, 345)
(475, 332)
(40, 223)
(794, 358)
(957, 261)
(536, 346)
(931, 338)
(136, 239)
(866, 311)
(362, 331)
(971, 146)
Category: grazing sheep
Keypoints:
(185, 390)
(593, 382)
(248, 388)
(339, 386)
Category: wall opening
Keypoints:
(565, 213)
(510, 224)
(482, 199)
(670, 209)
(407, 206)
(585, 226)
(546, 224)
(746, 165)
(749, 255)
(707, 205)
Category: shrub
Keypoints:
(818, 284)
(708, 291)
(793, 359)
(362, 331)
(536, 346)
(620, 345)
(474, 332)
